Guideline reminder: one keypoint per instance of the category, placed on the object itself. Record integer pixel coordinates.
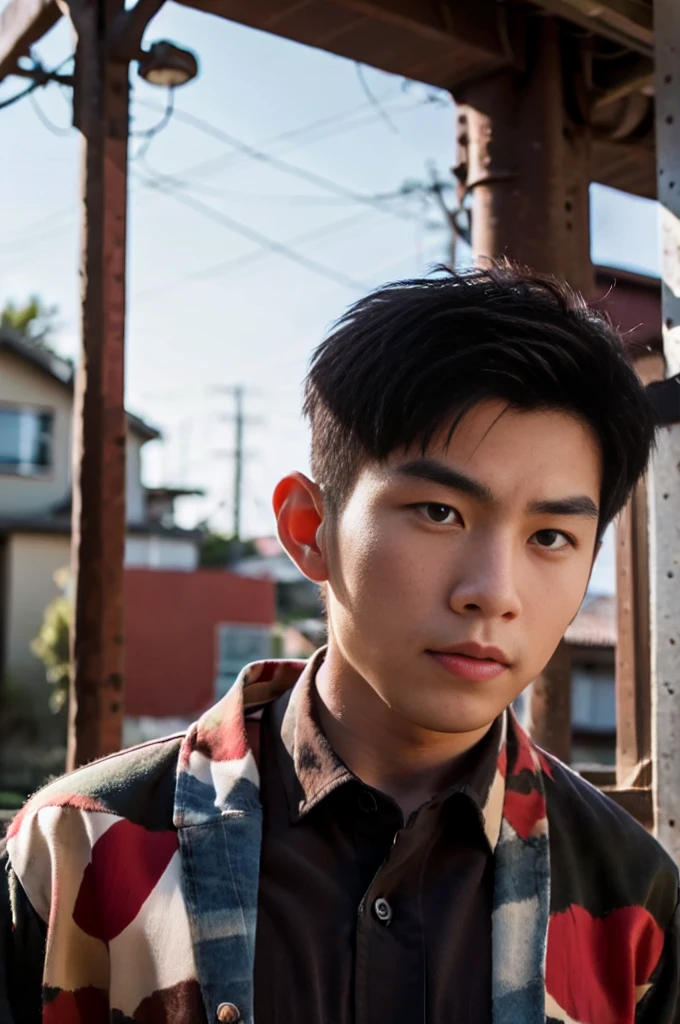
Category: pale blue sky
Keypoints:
(243, 320)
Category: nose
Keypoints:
(485, 580)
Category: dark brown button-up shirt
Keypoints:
(363, 918)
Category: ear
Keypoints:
(298, 507)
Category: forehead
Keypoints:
(546, 452)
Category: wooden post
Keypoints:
(550, 705)
(665, 476)
(633, 654)
(633, 702)
(101, 112)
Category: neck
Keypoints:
(395, 756)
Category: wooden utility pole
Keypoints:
(238, 461)
(108, 37)
(101, 113)
(665, 477)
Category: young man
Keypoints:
(370, 838)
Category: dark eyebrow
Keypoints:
(580, 505)
(436, 473)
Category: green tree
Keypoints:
(52, 647)
(217, 551)
(34, 320)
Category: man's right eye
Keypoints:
(443, 515)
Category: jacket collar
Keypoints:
(218, 784)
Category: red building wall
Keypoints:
(170, 634)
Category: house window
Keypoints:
(238, 645)
(25, 441)
(593, 700)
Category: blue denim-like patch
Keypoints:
(220, 876)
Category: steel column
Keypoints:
(526, 167)
(665, 476)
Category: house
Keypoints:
(591, 640)
(296, 596)
(180, 620)
(36, 407)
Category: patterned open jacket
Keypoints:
(130, 891)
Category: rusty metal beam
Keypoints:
(635, 75)
(22, 23)
(628, 22)
(525, 167)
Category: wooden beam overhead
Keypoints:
(628, 22)
(22, 23)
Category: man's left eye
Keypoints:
(552, 540)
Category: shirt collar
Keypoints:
(311, 769)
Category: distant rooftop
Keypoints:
(595, 624)
(61, 370)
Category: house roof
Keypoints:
(595, 625)
(61, 524)
(62, 371)
(170, 493)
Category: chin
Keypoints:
(466, 717)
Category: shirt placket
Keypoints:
(390, 967)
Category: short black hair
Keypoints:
(416, 355)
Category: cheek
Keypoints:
(553, 600)
(377, 567)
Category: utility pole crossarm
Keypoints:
(22, 23)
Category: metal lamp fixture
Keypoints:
(167, 65)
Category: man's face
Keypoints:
(486, 542)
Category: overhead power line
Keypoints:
(209, 167)
(373, 99)
(149, 134)
(40, 77)
(237, 262)
(337, 122)
(23, 245)
(18, 96)
(218, 217)
(55, 129)
(261, 155)
(291, 134)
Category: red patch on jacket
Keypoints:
(84, 1006)
(524, 810)
(182, 1002)
(595, 963)
(127, 863)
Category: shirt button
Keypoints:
(382, 910)
(227, 1013)
(367, 802)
